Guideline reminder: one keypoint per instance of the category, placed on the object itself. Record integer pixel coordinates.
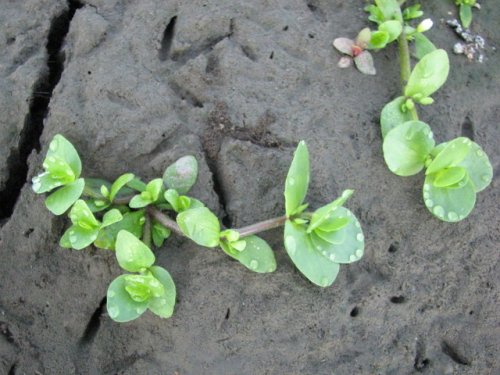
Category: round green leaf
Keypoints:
(163, 305)
(449, 176)
(111, 217)
(257, 255)
(159, 233)
(451, 154)
(59, 201)
(140, 200)
(81, 216)
(132, 254)
(121, 307)
(322, 214)
(407, 146)
(379, 39)
(392, 115)
(78, 238)
(314, 266)
(452, 203)
(200, 225)
(351, 248)
(478, 167)
(429, 74)
(154, 188)
(392, 28)
(61, 148)
(297, 180)
(181, 175)
(44, 182)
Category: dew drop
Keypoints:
(36, 185)
(142, 220)
(452, 216)
(332, 257)
(291, 181)
(429, 203)
(290, 245)
(485, 178)
(427, 187)
(139, 310)
(51, 159)
(45, 165)
(438, 211)
(430, 135)
(111, 294)
(53, 145)
(154, 283)
(360, 237)
(479, 153)
(353, 258)
(357, 224)
(254, 264)
(426, 195)
(72, 239)
(113, 311)
(163, 301)
(359, 253)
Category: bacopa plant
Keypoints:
(465, 11)
(455, 171)
(129, 216)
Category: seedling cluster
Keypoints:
(130, 216)
(455, 171)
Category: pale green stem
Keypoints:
(405, 66)
(146, 231)
(262, 226)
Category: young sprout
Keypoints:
(465, 10)
(150, 287)
(319, 242)
(62, 167)
(356, 51)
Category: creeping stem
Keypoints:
(262, 226)
(405, 64)
(244, 232)
(146, 233)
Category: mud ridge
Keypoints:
(29, 139)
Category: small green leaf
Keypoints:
(137, 184)
(154, 188)
(478, 167)
(392, 28)
(159, 233)
(465, 15)
(314, 266)
(111, 217)
(200, 225)
(452, 203)
(143, 287)
(120, 182)
(352, 246)
(334, 224)
(132, 254)
(451, 155)
(141, 200)
(423, 46)
(59, 201)
(429, 74)
(121, 307)
(132, 222)
(78, 237)
(322, 214)
(181, 175)
(163, 305)
(60, 148)
(376, 14)
(297, 180)
(407, 146)
(449, 176)
(390, 9)
(392, 115)
(230, 235)
(44, 182)
(256, 255)
(81, 216)
(379, 39)
(412, 12)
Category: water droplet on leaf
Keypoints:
(254, 264)
(113, 312)
(429, 203)
(353, 258)
(360, 237)
(452, 216)
(438, 211)
(290, 245)
(359, 253)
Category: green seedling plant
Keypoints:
(130, 217)
(455, 171)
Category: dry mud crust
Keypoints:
(238, 84)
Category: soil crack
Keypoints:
(29, 140)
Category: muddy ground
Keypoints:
(135, 85)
